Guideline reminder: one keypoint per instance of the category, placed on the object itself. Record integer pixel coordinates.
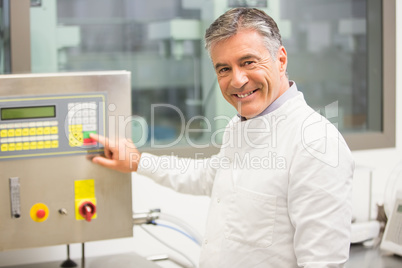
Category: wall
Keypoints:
(194, 209)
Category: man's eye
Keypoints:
(223, 70)
(248, 63)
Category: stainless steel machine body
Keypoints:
(50, 193)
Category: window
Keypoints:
(339, 60)
(341, 55)
(5, 53)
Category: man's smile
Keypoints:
(241, 96)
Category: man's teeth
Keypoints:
(245, 95)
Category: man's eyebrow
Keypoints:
(248, 56)
(219, 65)
(243, 58)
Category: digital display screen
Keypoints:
(399, 208)
(28, 112)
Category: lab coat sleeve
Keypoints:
(185, 175)
(319, 201)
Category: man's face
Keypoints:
(249, 78)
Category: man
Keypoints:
(280, 186)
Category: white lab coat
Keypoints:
(280, 191)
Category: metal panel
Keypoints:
(51, 180)
(20, 36)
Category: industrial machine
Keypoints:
(50, 193)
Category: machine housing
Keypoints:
(50, 191)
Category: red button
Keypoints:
(40, 213)
(89, 141)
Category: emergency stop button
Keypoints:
(85, 200)
(39, 212)
(87, 210)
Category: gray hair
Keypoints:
(228, 24)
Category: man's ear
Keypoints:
(282, 60)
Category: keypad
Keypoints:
(29, 136)
(82, 121)
(65, 130)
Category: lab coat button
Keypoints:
(205, 241)
(218, 200)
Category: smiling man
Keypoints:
(249, 77)
(281, 189)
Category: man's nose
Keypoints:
(239, 78)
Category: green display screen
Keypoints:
(28, 112)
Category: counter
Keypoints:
(362, 257)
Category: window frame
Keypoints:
(387, 137)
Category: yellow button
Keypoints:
(48, 144)
(3, 133)
(72, 141)
(32, 145)
(18, 132)
(4, 147)
(32, 131)
(54, 130)
(46, 130)
(74, 128)
(41, 145)
(18, 146)
(55, 144)
(11, 132)
(39, 131)
(25, 132)
(25, 146)
(78, 136)
(11, 146)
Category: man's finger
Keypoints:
(104, 141)
(99, 138)
(104, 162)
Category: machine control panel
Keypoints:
(35, 126)
(50, 193)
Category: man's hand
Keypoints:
(122, 155)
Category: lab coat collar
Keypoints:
(287, 95)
